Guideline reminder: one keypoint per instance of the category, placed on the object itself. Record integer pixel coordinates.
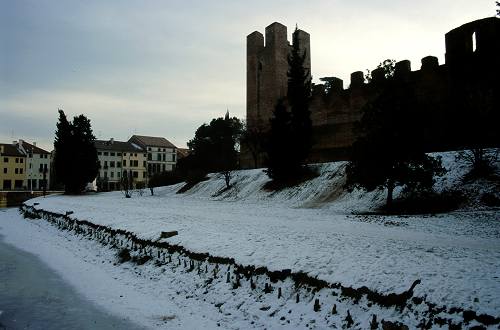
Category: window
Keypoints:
(21, 171)
(158, 157)
(124, 154)
(105, 174)
(124, 163)
(150, 157)
(111, 153)
(118, 153)
(31, 155)
(15, 171)
(111, 164)
(105, 153)
(164, 157)
(118, 164)
(143, 175)
(173, 157)
(5, 170)
(7, 184)
(30, 165)
(144, 164)
(118, 174)
(22, 160)
(40, 168)
(105, 164)
(149, 148)
(17, 160)
(99, 153)
(136, 163)
(136, 175)
(112, 174)
(6, 160)
(135, 155)
(163, 167)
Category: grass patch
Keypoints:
(124, 255)
(141, 260)
(426, 203)
(490, 199)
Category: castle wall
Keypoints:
(465, 85)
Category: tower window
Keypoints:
(474, 42)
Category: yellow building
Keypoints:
(12, 168)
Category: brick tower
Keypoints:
(267, 68)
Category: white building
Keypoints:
(161, 153)
(37, 165)
(116, 157)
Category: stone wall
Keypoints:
(465, 85)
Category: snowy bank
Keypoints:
(311, 229)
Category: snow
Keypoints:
(309, 228)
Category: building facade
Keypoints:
(116, 159)
(38, 163)
(12, 167)
(161, 153)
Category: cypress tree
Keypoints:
(299, 94)
(76, 161)
(290, 138)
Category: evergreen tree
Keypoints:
(290, 138)
(76, 161)
(215, 146)
(299, 94)
(389, 152)
(281, 162)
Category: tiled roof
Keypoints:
(151, 141)
(30, 148)
(11, 150)
(117, 146)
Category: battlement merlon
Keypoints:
(276, 36)
(402, 70)
(255, 43)
(357, 79)
(429, 64)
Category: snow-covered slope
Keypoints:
(311, 228)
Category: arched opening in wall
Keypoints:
(474, 42)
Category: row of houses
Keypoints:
(139, 158)
(24, 166)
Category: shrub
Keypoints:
(124, 255)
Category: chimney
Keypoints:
(111, 141)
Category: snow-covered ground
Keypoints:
(309, 228)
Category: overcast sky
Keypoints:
(163, 68)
